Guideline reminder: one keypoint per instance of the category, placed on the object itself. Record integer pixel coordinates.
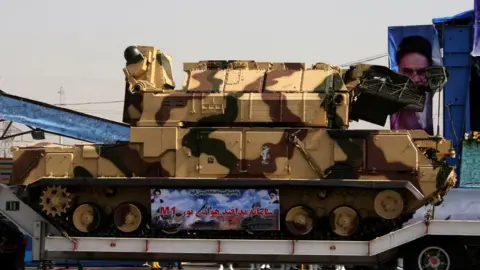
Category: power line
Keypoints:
(366, 59)
(89, 103)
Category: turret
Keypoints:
(248, 93)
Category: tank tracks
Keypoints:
(369, 229)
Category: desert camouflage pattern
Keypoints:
(256, 121)
(243, 153)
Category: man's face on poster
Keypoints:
(414, 65)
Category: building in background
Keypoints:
(5, 170)
(6, 144)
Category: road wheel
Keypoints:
(432, 253)
(14, 261)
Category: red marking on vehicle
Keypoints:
(74, 245)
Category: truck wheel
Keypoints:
(435, 254)
(15, 261)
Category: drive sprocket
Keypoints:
(55, 200)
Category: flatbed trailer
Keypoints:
(452, 243)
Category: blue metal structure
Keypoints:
(466, 15)
(61, 121)
(456, 35)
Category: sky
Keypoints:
(79, 44)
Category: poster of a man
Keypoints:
(273, 194)
(412, 49)
(413, 56)
(155, 197)
(157, 202)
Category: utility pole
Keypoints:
(61, 94)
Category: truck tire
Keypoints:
(445, 254)
(13, 261)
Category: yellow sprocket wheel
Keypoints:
(55, 200)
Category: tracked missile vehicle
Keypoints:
(245, 150)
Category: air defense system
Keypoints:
(245, 150)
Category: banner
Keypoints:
(411, 50)
(215, 209)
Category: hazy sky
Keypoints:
(79, 44)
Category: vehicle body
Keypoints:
(245, 150)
